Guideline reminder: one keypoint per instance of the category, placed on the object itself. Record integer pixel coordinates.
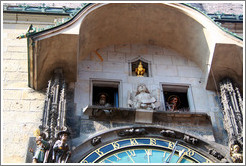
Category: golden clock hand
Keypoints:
(173, 151)
(148, 153)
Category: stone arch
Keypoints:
(168, 25)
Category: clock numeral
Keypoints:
(116, 145)
(190, 153)
(164, 156)
(132, 152)
(171, 145)
(84, 161)
(99, 152)
(133, 141)
(118, 158)
(181, 155)
(152, 141)
(108, 160)
(148, 152)
(173, 151)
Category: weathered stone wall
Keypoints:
(21, 106)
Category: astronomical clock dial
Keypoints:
(144, 150)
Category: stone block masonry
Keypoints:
(22, 107)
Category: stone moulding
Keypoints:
(197, 123)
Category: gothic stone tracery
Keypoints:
(54, 129)
(232, 106)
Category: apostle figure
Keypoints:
(173, 103)
(103, 100)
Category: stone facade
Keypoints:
(23, 107)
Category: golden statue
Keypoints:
(236, 156)
(140, 70)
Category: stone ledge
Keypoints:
(155, 117)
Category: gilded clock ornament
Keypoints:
(235, 154)
(140, 70)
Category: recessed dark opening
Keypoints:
(111, 93)
(183, 104)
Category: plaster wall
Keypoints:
(167, 67)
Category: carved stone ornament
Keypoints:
(191, 140)
(216, 154)
(168, 133)
(53, 130)
(96, 140)
(132, 132)
(232, 106)
(143, 99)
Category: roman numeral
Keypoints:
(133, 141)
(99, 152)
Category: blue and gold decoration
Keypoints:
(144, 150)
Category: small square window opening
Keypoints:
(105, 94)
(175, 98)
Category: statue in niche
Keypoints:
(235, 155)
(143, 99)
(140, 70)
(172, 103)
(61, 152)
(42, 148)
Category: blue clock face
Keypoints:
(144, 150)
(145, 155)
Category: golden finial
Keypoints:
(140, 70)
